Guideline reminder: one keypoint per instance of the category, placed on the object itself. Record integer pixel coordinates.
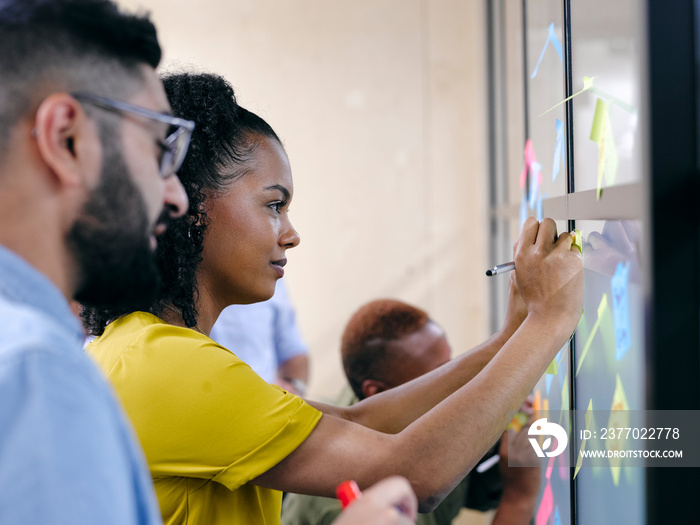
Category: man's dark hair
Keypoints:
(49, 46)
(225, 138)
(365, 343)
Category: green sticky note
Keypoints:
(600, 118)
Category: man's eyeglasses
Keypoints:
(174, 146)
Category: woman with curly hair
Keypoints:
(221, 442)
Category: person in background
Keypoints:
(86, 183)
(265, 335)
(385, 344)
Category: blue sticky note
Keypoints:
(548, 380)
(557, 517)
(620, 306)
(558, 151)
(555, 42)
(523, 210)
(551, 37)
(540, 215)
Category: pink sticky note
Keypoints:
(530, 157)
(546, 506)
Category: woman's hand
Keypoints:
(388, 502)
(549, 275)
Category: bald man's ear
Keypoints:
(371, 387)
(67, 140)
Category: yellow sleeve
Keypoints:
(201, 412)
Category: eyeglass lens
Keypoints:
(177, 144)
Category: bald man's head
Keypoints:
(387, 343)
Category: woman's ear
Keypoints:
(68, 141)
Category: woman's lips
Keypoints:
(279, 266)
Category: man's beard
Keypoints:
(111, 241)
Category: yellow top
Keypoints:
(207, 423)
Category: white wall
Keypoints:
(382, 108)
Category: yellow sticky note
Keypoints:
(601, 134)
(578, 241)
(619, 419)
(599, 121)
(601, 309)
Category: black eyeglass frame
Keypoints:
(175, 145)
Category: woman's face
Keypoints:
(249, 230)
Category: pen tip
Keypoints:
(489, 273)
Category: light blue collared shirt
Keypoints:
(67, 454)
(264, 335)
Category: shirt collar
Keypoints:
(21, 282)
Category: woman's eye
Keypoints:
(276, 206)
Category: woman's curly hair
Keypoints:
(224, 138)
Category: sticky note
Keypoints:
(558, 150)
(601, 310)
(587, 85)
(620, 307)
(599, 121)
(530, 157)
(578, 241)
(551, 39)
(534, 168)
(601, 134)
(518, 421)
(548, 381)
(537, 403)
(619, 418)
(546, 506)
(589, 420)
(557, 517)
(619, 401)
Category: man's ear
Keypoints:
(67, 140)
(371, 387)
